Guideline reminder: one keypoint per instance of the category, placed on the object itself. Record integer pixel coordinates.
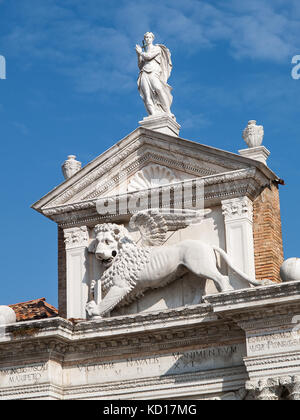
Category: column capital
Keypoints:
(237, 208)
(76, 237)
(267, 389)
(292, 385)
(275, 388)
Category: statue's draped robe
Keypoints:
(155, 69)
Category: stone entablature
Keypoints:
(242, 340)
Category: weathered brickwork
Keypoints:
(268, 247)
(61, 274)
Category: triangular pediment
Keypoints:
(143, 159)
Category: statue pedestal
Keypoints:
(259, 153)
(162, 123)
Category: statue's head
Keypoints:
(149, 37)
(109, 239)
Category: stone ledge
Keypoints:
(197, 350)
(254, 298)
(275, 297)
(141, 322)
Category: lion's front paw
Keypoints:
(92, 309)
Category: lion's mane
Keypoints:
(128, 263)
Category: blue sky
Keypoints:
(71, 89)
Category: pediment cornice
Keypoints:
(245, 182)
(141, 148)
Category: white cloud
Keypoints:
(191, 121)
(92, 42)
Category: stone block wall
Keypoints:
(268, 247)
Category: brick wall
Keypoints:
(62, 278)
(268, 247)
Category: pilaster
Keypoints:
(238, 220)
(76, 242)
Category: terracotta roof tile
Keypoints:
(34, 309)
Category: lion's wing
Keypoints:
(154, 224)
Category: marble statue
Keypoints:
(131, 269)
(155, 68)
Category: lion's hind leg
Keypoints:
(202, 262)
(222, 282)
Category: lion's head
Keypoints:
(109, 239)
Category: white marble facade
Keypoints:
(239, 345)
(151, 159)
(156, 273)
(183, 340)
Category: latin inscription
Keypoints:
(165, 364)
(23, 374)
(274, 342)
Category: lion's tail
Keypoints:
(244, 276)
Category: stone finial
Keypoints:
(71, 166)
(7, 316)
(290, 270)
(253, 134)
